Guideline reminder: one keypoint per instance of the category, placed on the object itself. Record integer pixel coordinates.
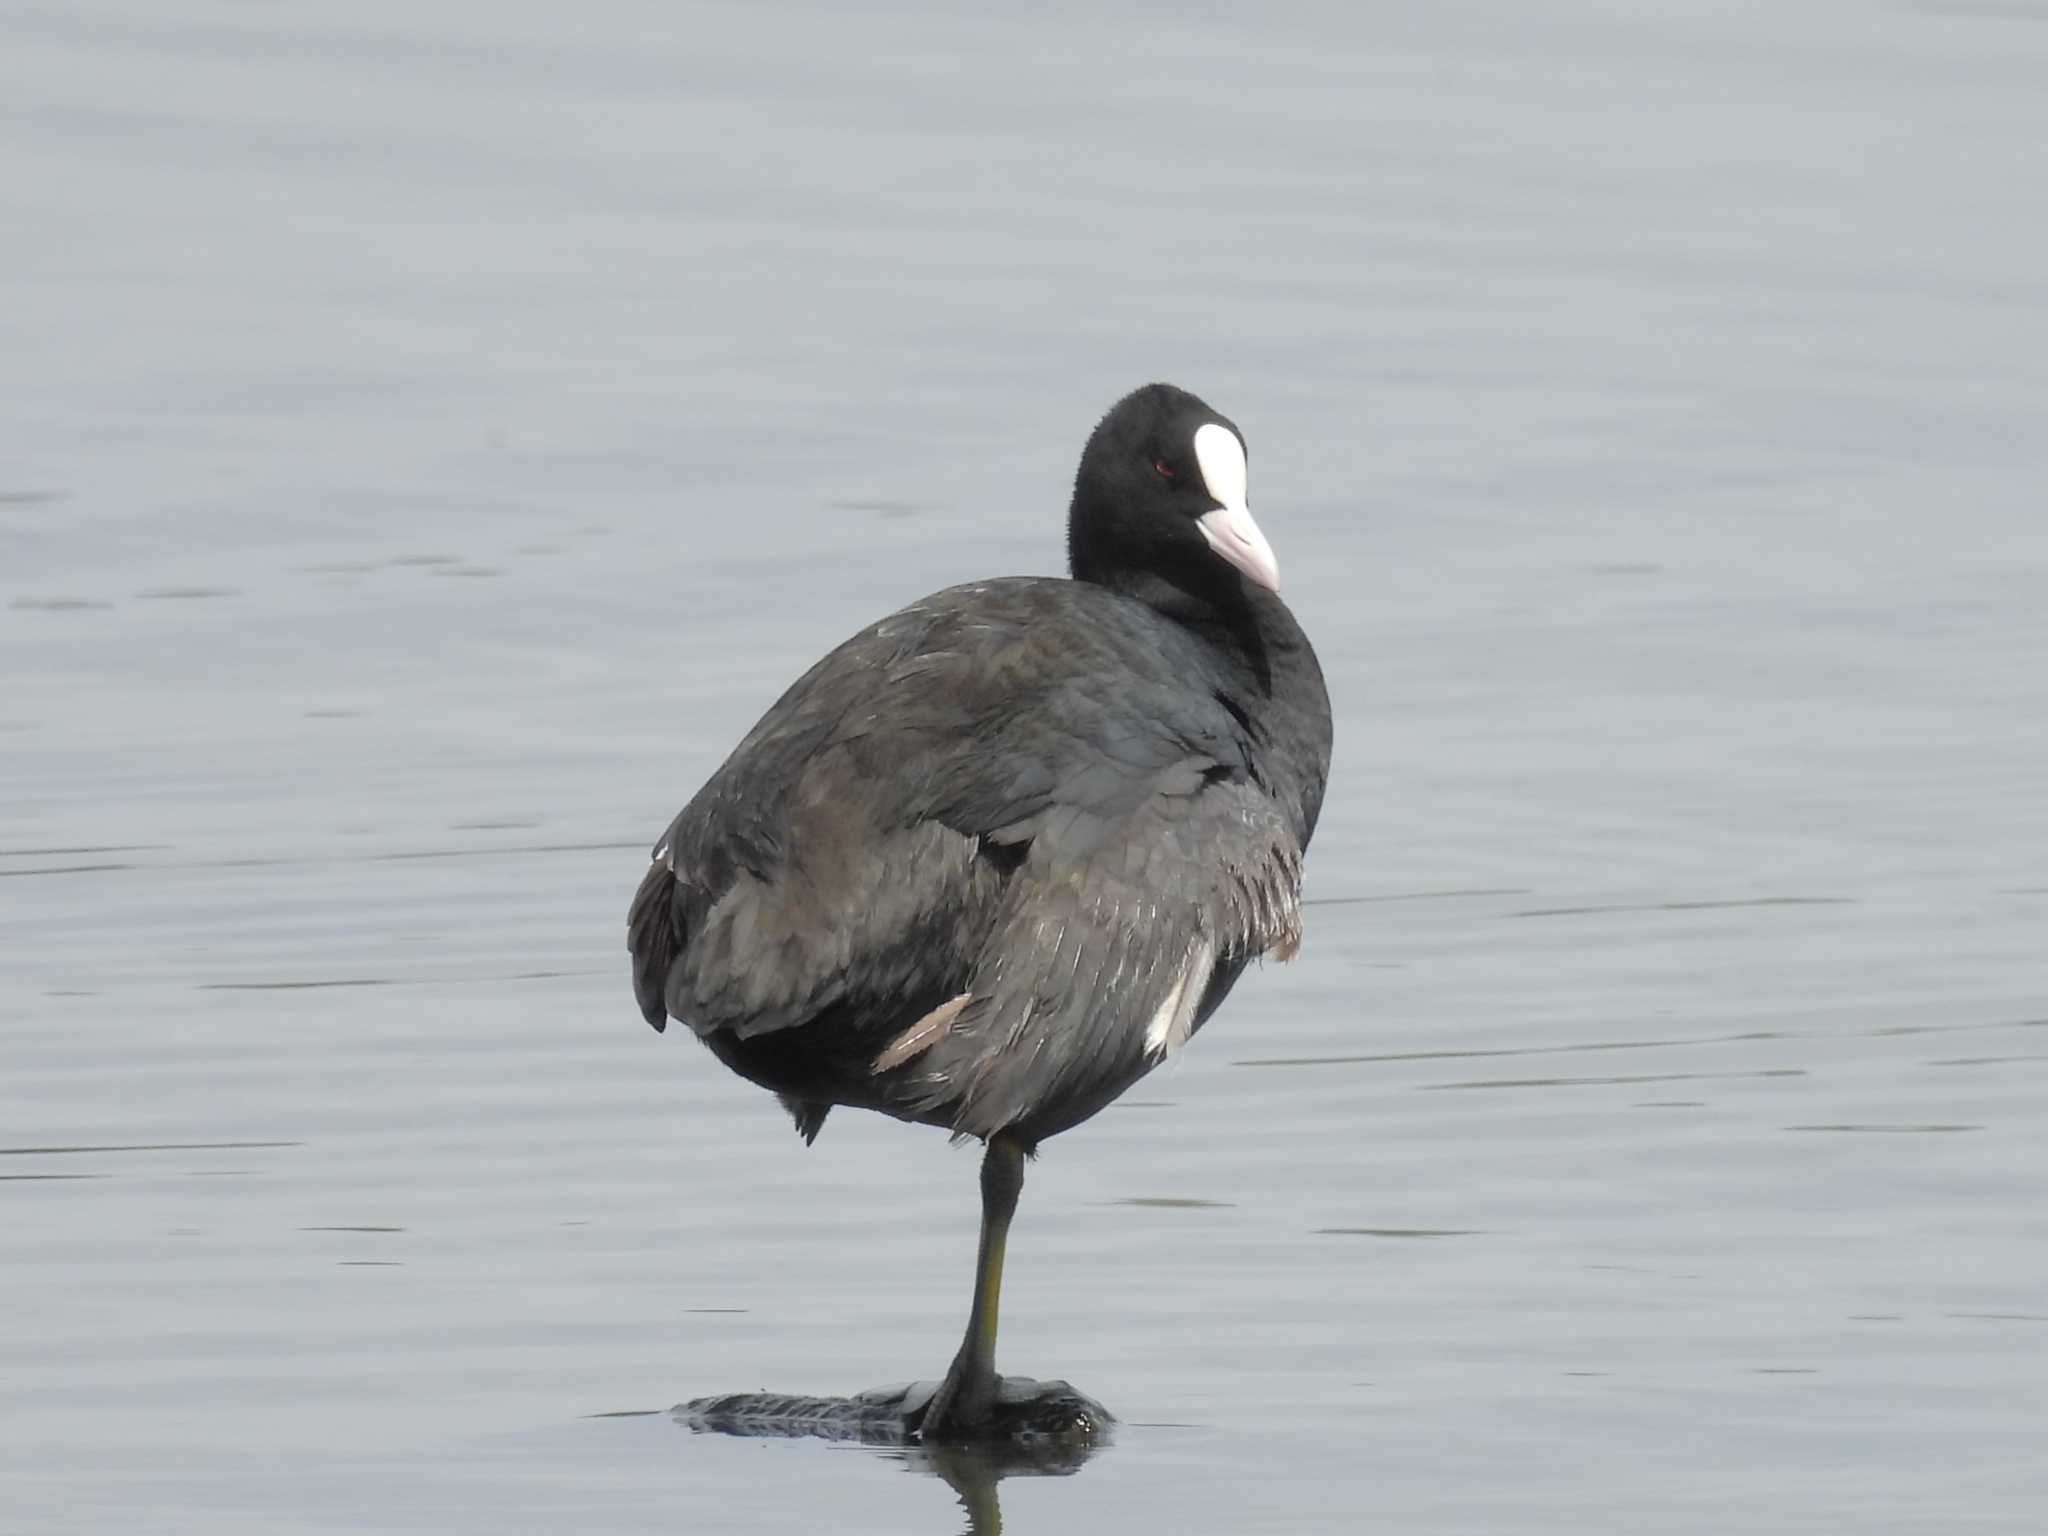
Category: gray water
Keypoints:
(429, 435)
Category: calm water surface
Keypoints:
(430, 435)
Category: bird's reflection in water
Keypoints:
(1039, 1429)
(972, 1471)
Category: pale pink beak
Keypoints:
(1233, 535)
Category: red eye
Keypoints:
(1165, 469)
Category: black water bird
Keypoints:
(1003, 852)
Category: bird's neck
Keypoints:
(1294, 723)
(1271, 667)
(1250, 627)
(1260, 649)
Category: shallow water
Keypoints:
(429, 437)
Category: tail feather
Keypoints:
(652, 936)
(808, 1115)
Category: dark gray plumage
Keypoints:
(995, 857)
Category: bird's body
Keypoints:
(1035, 794)
(1001, 853)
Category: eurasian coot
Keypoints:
(1003, 852)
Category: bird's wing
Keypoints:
(791, 883)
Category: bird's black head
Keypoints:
(1159, 500)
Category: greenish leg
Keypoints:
(965, 1396)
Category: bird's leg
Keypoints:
(966, 1395)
